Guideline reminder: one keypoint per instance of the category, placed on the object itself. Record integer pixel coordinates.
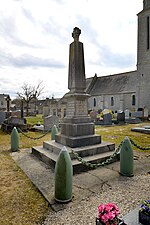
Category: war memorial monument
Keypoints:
(77, 130)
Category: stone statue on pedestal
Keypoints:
(77, 129)
(76, 76)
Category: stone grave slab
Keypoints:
(107, 119)
(50, 121)
(2, 117)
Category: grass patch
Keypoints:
(35, 119)
(117, 133)
(20, 201)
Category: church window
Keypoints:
(64, 112)
(112, 101)
(133, 99)
(54, 112)
(147, 32)
(94, 102)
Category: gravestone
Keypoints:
(145, 112)
(46, 111)
(137, 114)
(2, 117)
(107, 119)
(121, 117)
(93, 115)
(11, 122)
(127, 114)
(15, 120)
(50, 121)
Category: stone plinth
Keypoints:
(78, 141)
(77, 129)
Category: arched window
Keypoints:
(133, 100)
(94, 102)
(112, 101)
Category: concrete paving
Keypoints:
(132, 217)
(84, 184)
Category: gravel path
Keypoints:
(127, 193)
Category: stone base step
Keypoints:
(50, 156)
(83, 151)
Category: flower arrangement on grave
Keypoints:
(108, 215)
(144, 213)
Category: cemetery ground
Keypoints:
(20, 201)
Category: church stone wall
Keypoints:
(122, 101)
(143, 60)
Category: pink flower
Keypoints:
(111, 215)
(108, 213)
(101, 208)
(105, 218)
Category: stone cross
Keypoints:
(8, 103)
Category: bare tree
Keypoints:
(29, 93)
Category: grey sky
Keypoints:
(35, 37)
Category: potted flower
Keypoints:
(144, 213)
(108, 215)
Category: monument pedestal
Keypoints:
(78, 141)
(77, 129)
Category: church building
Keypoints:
(129, 90)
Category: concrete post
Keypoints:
(54, 131)
(126, 158)
(63, 177)
(14, 140)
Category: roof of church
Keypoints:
(111, 84)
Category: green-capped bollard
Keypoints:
(126, 158)
(14, 140)
(63, 177)
(54, 132)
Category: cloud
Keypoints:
(35, 37)
(9, 33)
(29, 61)
(87, 31)
(28, 15)
(8, 27)
(108, 58)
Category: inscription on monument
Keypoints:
(81, 107)
(70, 108)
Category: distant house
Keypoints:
(5, 102)
(53, 106)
